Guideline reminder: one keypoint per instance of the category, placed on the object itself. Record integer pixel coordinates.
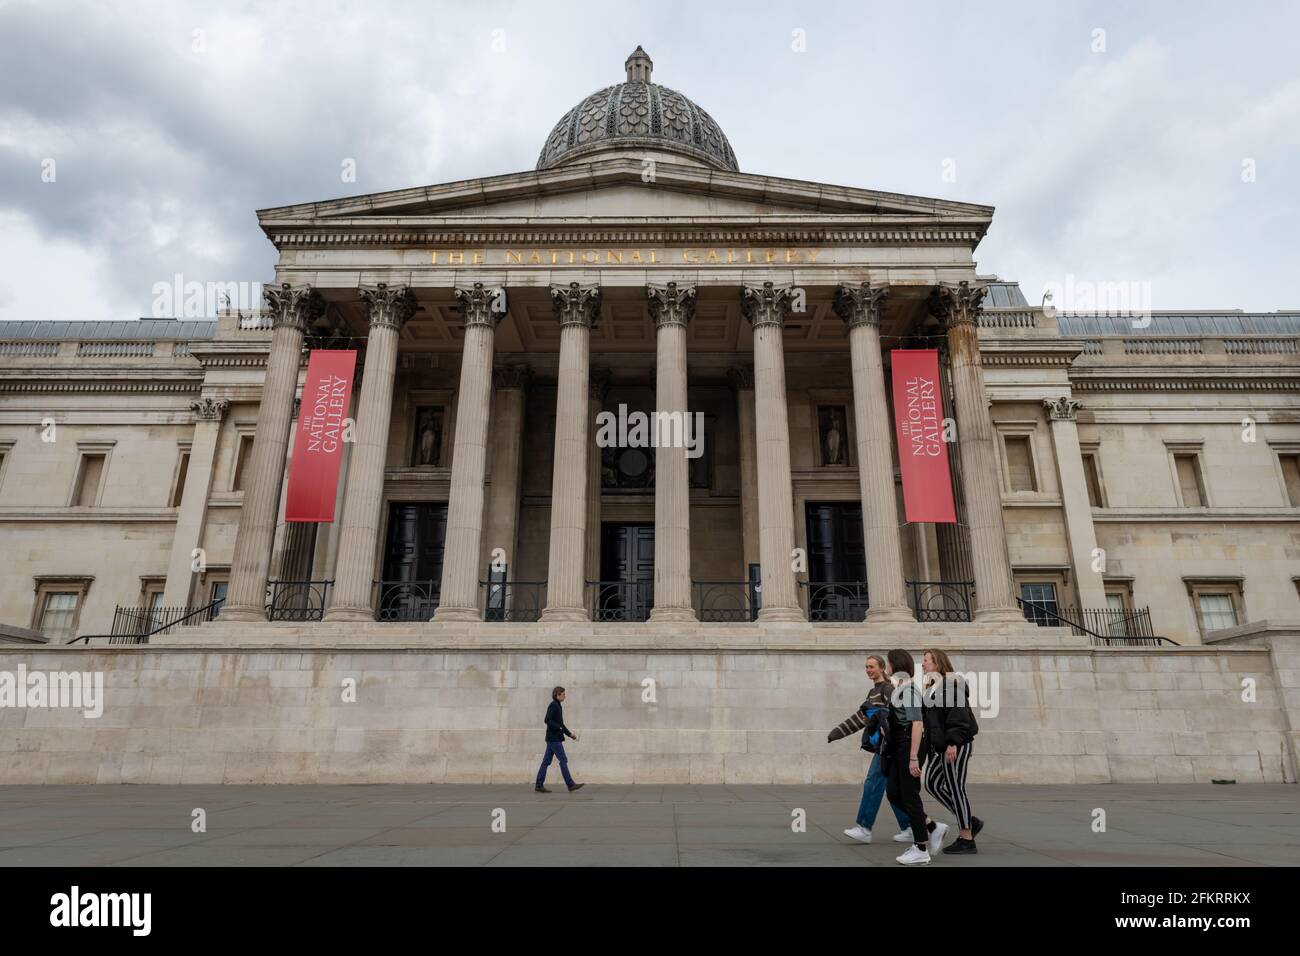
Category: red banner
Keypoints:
(922, 452)
(318, 444)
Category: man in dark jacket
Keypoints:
(555, 734)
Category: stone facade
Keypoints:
(1100, 463)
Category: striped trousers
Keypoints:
(947, 783)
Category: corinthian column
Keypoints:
(575, 307)
(193, 511)
(363, 501)
(766, 307)
(482, 308)
(958, 305)
(672, 307)
(292, 309)
(862, 307)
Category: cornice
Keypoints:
(1185, 380)
(157, 388)
(564, 233)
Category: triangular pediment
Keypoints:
(623, 189)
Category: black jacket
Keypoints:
(555, 729)
(948, 718)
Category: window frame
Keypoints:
(1280, 450)
(1233, 587)
(179, 473)
(91, 449)
(1091, 452)
(6, 452)
(45, 585)
(1028, 430)
(242, 432)
(1196, 451)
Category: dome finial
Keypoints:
(638, 66)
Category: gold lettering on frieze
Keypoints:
(694, 255)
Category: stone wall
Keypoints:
(439, 710)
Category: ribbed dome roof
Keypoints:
(637, 114)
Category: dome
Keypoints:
(637, 115)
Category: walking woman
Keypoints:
(904, 758)
(950, 730)
(871, 719)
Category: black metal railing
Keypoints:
(517, 601)
(135, 625)
(943, 602)
(620, 600)
(840, 601)
(297, 600)
(406, 600)
(728, 601)
(1106, 626)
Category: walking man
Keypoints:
(555, 734)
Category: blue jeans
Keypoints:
(873, 791)
(554, 749)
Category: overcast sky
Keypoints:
(1124, 164)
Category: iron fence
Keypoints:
(729, 601)
(517, 601)
(297, 600)
(835, 601)
(620, 600)
(943, 602)
(406, 600)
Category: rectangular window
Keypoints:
(1020, 463)
(178, 489)
(1291, 478)
(89, 474)
(1092, 477)
(242, 455)
(1039, 603)
(59, 616)
(1190, 487)
(1217, 612)
(218, 593)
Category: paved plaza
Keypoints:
(602, 825)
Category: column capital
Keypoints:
(598, 383)
(389, 306)
(671, 304)
(481, 305)
(1063, 408)
(957, 303)
(766, 304)
(575, 304)
(741, 378)
(293, 307)
(512, 376)
(209, 409)
(861, 304)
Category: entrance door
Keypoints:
(837, 562)
(412, 561)
(627, 572)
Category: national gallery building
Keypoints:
(1126, 492)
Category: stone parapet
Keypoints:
(426, 710)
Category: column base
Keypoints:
(673, 615)
(245, 613)
(780, 614)
(999, 615)
(349, 612)
(562, 615)
(457, 613)
(890, 615)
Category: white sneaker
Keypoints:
(936, 836)
(914, 856)
(903, 836)
(861, 834)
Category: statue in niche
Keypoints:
(428, 436)
(833, 434)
